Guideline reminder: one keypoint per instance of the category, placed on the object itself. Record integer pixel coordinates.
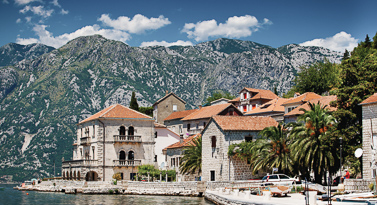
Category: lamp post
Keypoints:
(341, 142)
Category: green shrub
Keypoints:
(111, 191)
(371, 186)
(116, 191)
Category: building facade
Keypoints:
(163, 138)
(220, 133)
(369, 137)
(165, 106)
(251, 98)
(114, 140)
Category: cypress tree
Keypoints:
(346, 55)
(133, 103)
(367, 43)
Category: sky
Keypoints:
(337, 25)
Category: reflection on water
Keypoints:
(11, 196)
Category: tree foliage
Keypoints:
(191, 162)
(146, 110)
(133, 103)
(319, 77)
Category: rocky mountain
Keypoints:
(13, 52)
(42, 99)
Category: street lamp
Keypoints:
(341, 142)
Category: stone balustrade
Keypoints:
(127, 138)
(84, 141)
(81, 162)
(126, 163)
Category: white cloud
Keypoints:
(55, 3)
(63, 12)
(234, 27)
(339, 42)
(18, 20)
(23, 2)
(166, 44)
(37, 10)
(28, 19)
(47, 38)
(138, 24)
(5, 2)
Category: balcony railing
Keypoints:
(194, 131)
(126, 163)
(127, 138)
(84, 140)
(81, 162)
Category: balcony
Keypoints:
(194, 131)
(79, 163)
(85, 141)
(127, 138)
(126, 163)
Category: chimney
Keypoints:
(200, 107)
(181, 139)
(167, 92)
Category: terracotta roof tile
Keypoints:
(186, 142)
(234, 100)
(325, 100)
(371, 99)
(207, 112)
(163, 98)
(180, 114)
(274, 105)
(116, 112)
(262, 94)
(303, 98)
(244, 123)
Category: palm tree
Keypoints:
(272, 150)
(191, 161)
(312, 146)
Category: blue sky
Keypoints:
(336, 25)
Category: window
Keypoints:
(374, 141)
(213, 143)
(231, 111)
(283, 177)
(172, 162)
(122, 130)
(245, 108)
(253, 106)
(93, 148)
(155, 134)
(204, 125)
(174, 108)
(155, 158)
(122, 155)
(177, 162)
(131, 130)
(245, 96)
(131, 155)
(212, 175)
(180, 129)
(188, 127)
(81, 132)
(94, 131)
(248, 138)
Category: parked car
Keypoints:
(277, 179)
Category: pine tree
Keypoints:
(133, 103)
(346, 55)
(375, 41)
(367, 43)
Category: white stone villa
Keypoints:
(116, 139)
(251, 98)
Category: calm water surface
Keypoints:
(11, 196)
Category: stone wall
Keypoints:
(369, 122)
(357, 185)
(165, 108)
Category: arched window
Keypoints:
(131, 155)
(74, 175)
(213, 143)
(67, 175)
(131, 130)
(63, 175)
(122, 130)
(122, 155)
(78, 176)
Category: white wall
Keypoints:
(165, 137)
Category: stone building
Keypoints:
(251, 98)
(197, 121)
(369, 136)
(272, 108)
(294, 102)
(165, 106)
(174, 121)
(219, 134)
(116, 139)
(174, 153)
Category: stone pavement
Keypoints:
(291, 199)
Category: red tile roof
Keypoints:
(303, 98)
(179, 115)
(186, 142)
(274, 105)
(208, 111)
(261, 94)
(234, 100)
(370, 100)
(244, 123)
(116, 112)
(163, 98)
(325, 100)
